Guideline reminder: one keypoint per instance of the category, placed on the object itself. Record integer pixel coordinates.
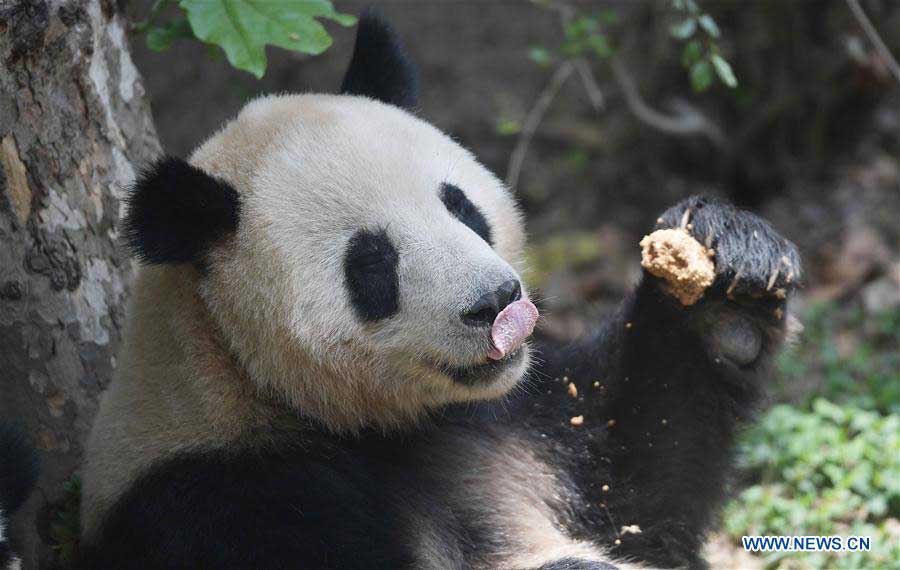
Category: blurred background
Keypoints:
(594, 113)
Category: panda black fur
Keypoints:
(297, 383)
(18, 473)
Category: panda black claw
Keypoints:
(750, 255)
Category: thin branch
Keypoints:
(594, 93)
(873, 36)
(689, 121)
(533, 120)
(544, 100)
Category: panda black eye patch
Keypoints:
(370, 273)
(465, 211)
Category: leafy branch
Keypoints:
(585, 37)
(243, 28)
(701, 55)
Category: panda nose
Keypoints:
(485, 310)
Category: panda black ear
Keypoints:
(380, 68)
(176, 212)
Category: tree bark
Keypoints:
(74, 127)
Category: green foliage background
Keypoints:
(829, 464)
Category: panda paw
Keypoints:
(744, 308)
(752, 260)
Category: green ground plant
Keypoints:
(846, 355)
(65, 521)
(829, 464)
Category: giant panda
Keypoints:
(327, 361)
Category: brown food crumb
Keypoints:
(573, 390)
(676, 257)
(605, 488)
(577, 420)
(611, 423)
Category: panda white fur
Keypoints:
(304, 381)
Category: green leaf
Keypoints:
(540, 55)
(162, 38)
(243, 28)
(582, 26)
(599, 45)
(693, 50)
(708, 24)
(508, 127)
(701, 75)
(684, 29)
(724, 71)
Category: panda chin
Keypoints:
(483, 374)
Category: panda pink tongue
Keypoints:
(512, 326)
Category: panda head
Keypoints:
(352, 257)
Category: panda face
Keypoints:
(354, 259)
(366, 237)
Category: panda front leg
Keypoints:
(674, 382)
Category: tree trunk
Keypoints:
(74, 127)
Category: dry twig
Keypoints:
(873, 36)
(689, 121)
(594, 93)
(533, 120)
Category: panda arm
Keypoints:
(247, 510)
(665, 386)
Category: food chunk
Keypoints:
(683, 263)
